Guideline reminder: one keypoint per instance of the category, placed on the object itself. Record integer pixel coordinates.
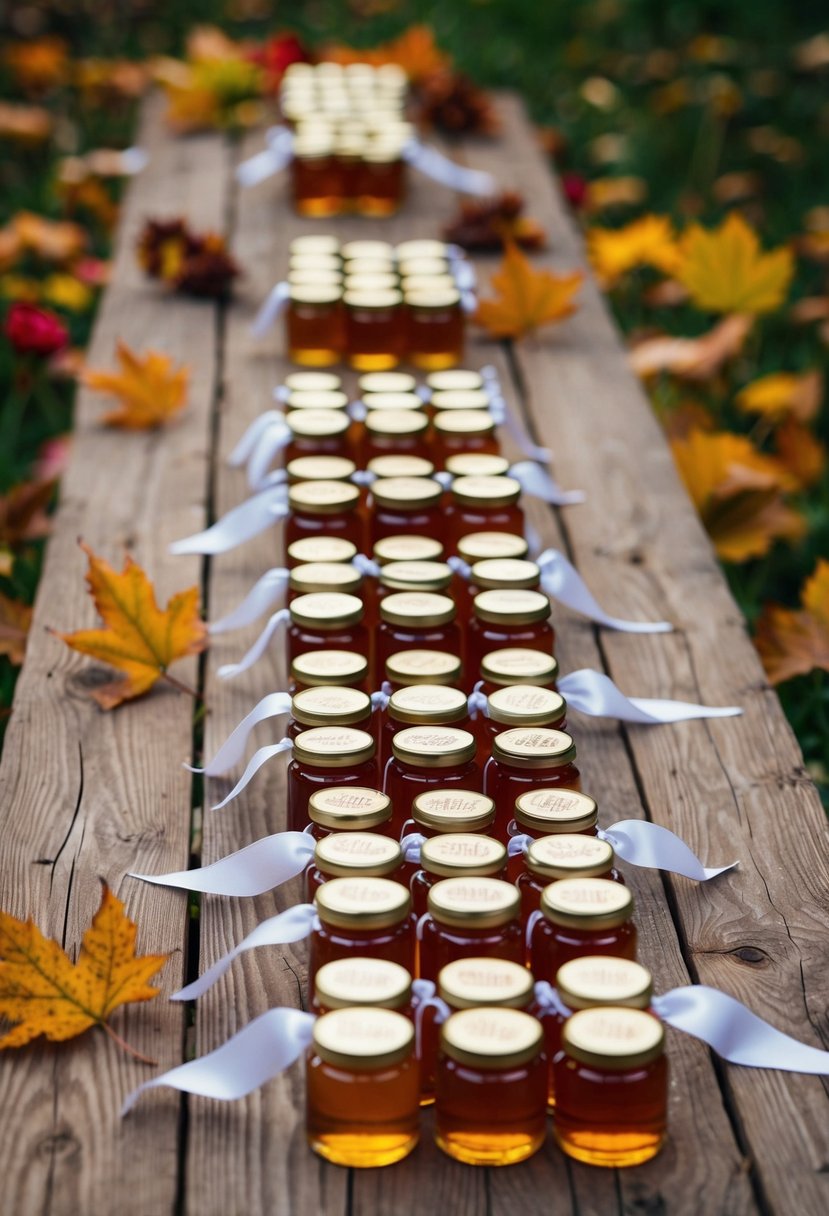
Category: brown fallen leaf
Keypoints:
(800, 452)
(526, 298)
(15, 622)
(692, 358)
(149, 389)
(23, 514)
(793, 643)
(488, 224)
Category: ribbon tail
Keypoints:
(261, 1050)
(594, 693)
(735, 1033)
(260, 757)
(228, 670)
(561, 580)
(273, 306)
(270, 443)
(249, 440)
(259, 867)
(433, 164)
(540, 483)
(240, 524)
(263, 596)
(650, 845)
(233, 748)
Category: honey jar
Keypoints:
(395, 433)
(559, 856)
(349, 150)
(313, 549)
(469, 918)
(409, 667)
(486, 504)
(581, 916)
(517, 665)
(428, 758)
(327, 756)
(374, 338)
(349, 982)
(505, 619)
(328, 706)
(398, 465)
(523, 706)
(326, 619)
(455, 855)
(457, 431)
(313, 577)
(416, 620)
(491, 1087)
(318, 433)
(320, 468)
(421, 705)
(408, 547)
(440, 810)
(434, 325)
(381, 180)
(315, 324)
(352, 855)
(321, 668)
(368, 917)
(611, 1086)
(316, 179)
(550, 812)
(349, 808)
(362, 1086)
(387, 382)
(324, 508)
(401, 505)
(524, 760)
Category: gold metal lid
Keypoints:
(421, 576)
(367, 249)
(452, 810)
(595, 980)
(312, 145)
(406, 493)
(361, 1039)
(469, 983)
(525, 705)
(407, 547)
(517, 665)
(322, 549)
(420, 248)
(567, 855)
(315, 381)
(396, 422)
(491, 1039)
(434, 746)
(314, 278)
(316, 261)
(464, 422)
(317, 399)
(533, 747)
(587, 903)
(460, 399)
(349, 808)
(333, 746)
(428, 705)
(375, 982)
(323, 497)
(326, 610)
(318, 424)
(420, 608)
(362, 903)
(364, 281)
(477, 464)
(474, 903)
(456, 853)
(614, 1038)
(480, 546)
(437, 295)
(314, 243)
(556, 810)
(401, 466)
(319, 667)
(387, 382)
(315, 293)
(385, 152)
(312, 577)
(409, 667)
(321, 468)
(379, 299)
(330, 706)
(454, 378)
(344, 854)
(369, 266)
(508, 607)
(505, 573)
(392, 401)
(431, 267)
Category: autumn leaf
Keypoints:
(51, 240)
(649, 241)
(692, 358)
(149, 388)
(783, 393)
(15, 621)
(800, 452)
(526, 298)
(793, 643)
(725, 270)
(604, 192)
(44, 993)
(138, 638)
(23, 514)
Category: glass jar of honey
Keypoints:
(320, 468)
(523, 706)
(349, 808)
(418, 620)
(406, 668)
(457, 431)
(517, 665)
(327, 756)
(421, 705)
(407, 547)
(477, 464)
(352, 855)
(581, 916)
(491, 1094)
(326, 619)
(482, 546)
(349, 150)
(486, 504)
(368, 917)
(395, 433)
(328, 706)
(314, 324)
(326, 549)
(469, 918)
(381, 180)
(324, 668)
(318, 433)
(362, 1087)
(387, 382)
(349, 982)
(428, 757)
(455, 855)
(611, 1086)
(374, 335)
(400, 466)
(316, 180)
(524, 760)
(434, 325)
(550, 812)
(505, 619)
(314, 577)
(405, 505)
(437, 811)
(564, 855)
(324, 508)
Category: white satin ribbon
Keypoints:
(264, 595)
(272, 440)
(259, 867)
(428, 161)
(134, 160)
(538, 482)
(367, 565)
(292, 925)
(276, 622)
(425, 999)
(593, 693)
(272, 307)
(257, 1053)
(240, 524)
(411, 843)
(276, 156)
(562, 581)
(246, 445)
(477, 702)
(547, 997)
(232, 750)
(260, 757)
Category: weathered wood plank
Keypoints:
(87, 794)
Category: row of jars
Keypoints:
(493, 1055)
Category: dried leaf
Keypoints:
(793, 643)
(800, 452)
(604, 192)
(44, 993)
(488, 224)
(52, 240)
(138, 638)
(692, 358)
(451, 102)
(649, 241)
(15, 621)
(783, 393)
(725, 270)
(150, 390)
(28, 125)
(526, 298)
(23, 514)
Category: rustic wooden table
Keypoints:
(85, 794)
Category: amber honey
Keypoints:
(349, 982)
(486, 504)
(324, 508)
(469, 918)
(428, 758)
(320, 668)
(416, 620)
(524, 760)
(374, 336)
(611, 1086)
(368, 917)
(316, 178)
(380, 182)
(565, 855)
(349, 808)
(434, 325)
(503, 619)
(327, 756)
(326, 619)
(362, 1084)
(352, 855)
(401, 505)
(491, 1087)
(517, 665)
(581, 916)
(315, 324)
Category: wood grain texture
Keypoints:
(87, 794)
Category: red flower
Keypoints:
(35, 331)
(575, 189)
(277, 54)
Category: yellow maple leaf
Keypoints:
(150, 390)
(783, 393)
(649, 241)
(44, 993)
(793, 643)
(138, 638)
(725, 270)
(526, 298)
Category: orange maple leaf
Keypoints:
(782, 393)
(725, 270)
(793, 643)
(138, 637)
(149, 389)
(44, 993)
(526, 298)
